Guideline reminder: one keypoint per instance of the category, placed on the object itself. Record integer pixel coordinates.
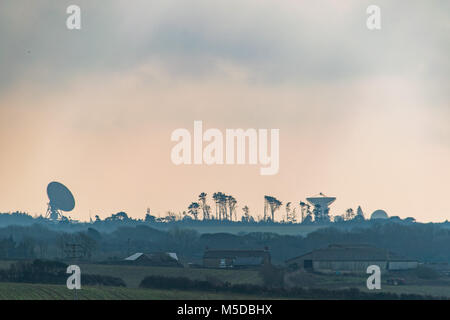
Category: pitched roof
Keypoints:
(134, 257)
(173, 255)
(351, 253)
(154, 255)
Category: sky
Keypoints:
(363, 114)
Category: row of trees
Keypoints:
(10, 249)
(225, 207)
(226, 210)
(69, 245)
(98, 243)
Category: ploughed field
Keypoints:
(26, 291)
(133, 275)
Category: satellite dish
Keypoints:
(61, 199)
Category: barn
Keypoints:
(235, 258)
(166, 259)
(350, 259)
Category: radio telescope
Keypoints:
(61, 199)
(321, 203)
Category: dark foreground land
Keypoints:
(133, 275)
(102, 247)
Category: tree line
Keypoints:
(424, 242)
(225, 209)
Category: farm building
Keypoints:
(235, 258)
(350, 258)
(167, 259)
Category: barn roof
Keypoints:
(351, 253)
(138, 255)
(134, 257)
(173, 255)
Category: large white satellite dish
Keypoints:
(61, 199)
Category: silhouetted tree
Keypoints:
(359, 215)
(273, 204)
(205, 208)
(193, 210)
(349, 214)
(246, 217)
(149, 218)
(232, 206)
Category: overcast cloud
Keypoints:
(363, 114)
(274, 41)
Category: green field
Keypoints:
(437, 288)
(24, 291)
(133, 275)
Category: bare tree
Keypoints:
(223, 205)
(231, 206)
(303, 210)
(193, 209)
(216, 200)
(246, 216)
(221, 200)
(349, 214)
(291, 215)
(273, 204)
(205, 208)
(288, 212)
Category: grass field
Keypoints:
(24, 291)
(440, 288)
(436, 291)
(133, 275)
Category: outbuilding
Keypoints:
(235, 258)
(166, 259)
(351, 258)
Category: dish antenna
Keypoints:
(61, 199)
(321, 203)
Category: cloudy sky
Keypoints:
(363, 115)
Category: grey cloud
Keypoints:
(268, 41)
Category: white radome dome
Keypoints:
(379, 214)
